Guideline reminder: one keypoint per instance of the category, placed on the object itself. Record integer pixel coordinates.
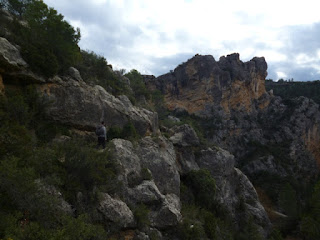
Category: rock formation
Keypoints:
(203, 86)
(238, 117)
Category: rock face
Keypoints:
(75, 103)
(116, 211)
(243, 125)
(226, 85)
(233, 187)
(150, 177)
(236, 112)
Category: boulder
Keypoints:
(146, 192)
(169, 214)
(160, 158)
(233, 187)
(82, 106)
(115, 211)
(184, 136)
(10, 57)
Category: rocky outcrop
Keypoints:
(202, 86)
(150, 177)
(10, 57)
(233, 187)
(116, 211)
(77, 104)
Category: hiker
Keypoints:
(101, 132)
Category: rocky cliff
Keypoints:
(203, 86)
(249, 133)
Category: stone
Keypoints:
(60, 205)
(160, 158)
(75, 74)
(147, 193)
(169, 214)
(116, 211)
(218, 161)
(184, 136)
(10, 57)
(82, 106)
(203, 84)
(233, 187)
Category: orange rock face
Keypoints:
(202, 84)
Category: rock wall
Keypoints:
(202, 86)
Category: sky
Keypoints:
(155, 36)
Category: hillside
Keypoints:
(289, 90)
(202, 152)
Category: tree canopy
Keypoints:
(48, 43)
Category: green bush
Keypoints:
(127, 132)
(48, 43)
(141, 214)
(203, 187)
(94, 70)
(137, 84)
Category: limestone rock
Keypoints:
(147, 193)
(116, 211)
(75, 74)
(184, 136)
(233, 187)
(202, 84)
(169, 214)
(60, 204)
(160, 158)
(10, 57)
(82, 106)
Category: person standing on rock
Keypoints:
(101, 132)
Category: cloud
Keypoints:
(155, 36)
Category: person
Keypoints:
(101, 132)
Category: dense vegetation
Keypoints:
(36, 177)
(37, 173)
(290, 89)
(48, 43)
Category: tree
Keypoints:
(48, 43)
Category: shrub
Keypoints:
(141, 214)
(203, 187)
(48, 43)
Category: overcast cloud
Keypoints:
(155, 36)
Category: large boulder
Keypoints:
(116, 211)
(77, 104)
(233, 188)
(10, 58)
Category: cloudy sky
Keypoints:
(154, 36)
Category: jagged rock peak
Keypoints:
(202, 84)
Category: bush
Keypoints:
(141, 214)
(48, 43)
(127, 132)
(203, 187)
(94, 70)
(137, 84)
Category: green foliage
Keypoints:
(203, 187)
(159, 105)
(137, 84)
(199, 223)
(289, 90)
(29, 171)
(249, 232)
(141, 214)
(48, 43)
(288, 201)
(94, 70)
(127, 132)
(311, 221)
